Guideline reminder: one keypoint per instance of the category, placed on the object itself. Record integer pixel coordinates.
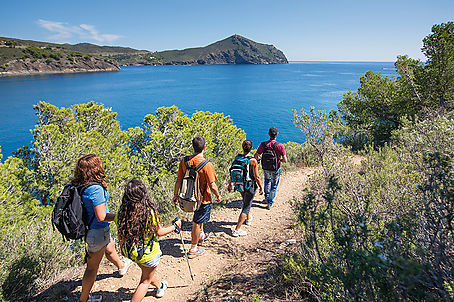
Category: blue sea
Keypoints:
(256, 97)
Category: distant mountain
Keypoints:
(232, 50)
(29, 57)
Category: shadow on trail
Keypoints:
(63, 290)
(125, 294)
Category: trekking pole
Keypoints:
(178, 230)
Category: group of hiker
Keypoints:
(138, 221)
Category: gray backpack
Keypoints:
(191, 196)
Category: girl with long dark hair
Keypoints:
(138, 231)
(89, 171)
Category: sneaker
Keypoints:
(248, 221)
(160, 291)
(94, 298)
(196, 253)
(239, 233)
(201, 240)
(126, 264)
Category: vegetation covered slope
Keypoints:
(29, 57)
(381, 230)
(232, 50)
(24, 56)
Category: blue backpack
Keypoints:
(239, 173)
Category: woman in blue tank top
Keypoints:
(89, 170)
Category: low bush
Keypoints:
(299, 155)
(382, 230)
(31, 253)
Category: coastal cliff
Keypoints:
(19, 57)
(232, 50)
(29, 57)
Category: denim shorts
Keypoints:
(153, 262)
(97, 239)
(202, 215)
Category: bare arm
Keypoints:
(176, 190)
(101, 214)
(284, 158)
(255, 171)
(229, 187)
(164, 231)
(214, 189)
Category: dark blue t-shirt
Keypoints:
(93, 196)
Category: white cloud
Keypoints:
(64, 31)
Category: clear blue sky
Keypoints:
(348, 30)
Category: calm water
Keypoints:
(255, 96)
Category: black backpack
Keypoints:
(69, 215)
(269, 157)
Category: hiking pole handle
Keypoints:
(177, 228)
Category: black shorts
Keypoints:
(202, 215)
(248, 196)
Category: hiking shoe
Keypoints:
(239, 233)
(201, 240)
(126, 264)
(94, 298)
(160, 291)
(198, 252)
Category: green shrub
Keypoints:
(299, 155)
(31, 254)
(41, 53)
(381, 230)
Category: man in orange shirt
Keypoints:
(207, 178)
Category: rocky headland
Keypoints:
(232, 50)
(25, 57)
(18, 57)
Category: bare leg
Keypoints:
(195, 234)
(148, 276)
(91, 271)
(112, 255)
(241, 219)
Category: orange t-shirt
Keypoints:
(206, 175)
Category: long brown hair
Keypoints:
(135, 223)
(89, 168)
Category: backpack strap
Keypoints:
(273, 146)
(201, 165)
(186, 162)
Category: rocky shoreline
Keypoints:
(43, 66)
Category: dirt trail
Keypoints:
(229, 264)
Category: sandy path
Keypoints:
(225, 255)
